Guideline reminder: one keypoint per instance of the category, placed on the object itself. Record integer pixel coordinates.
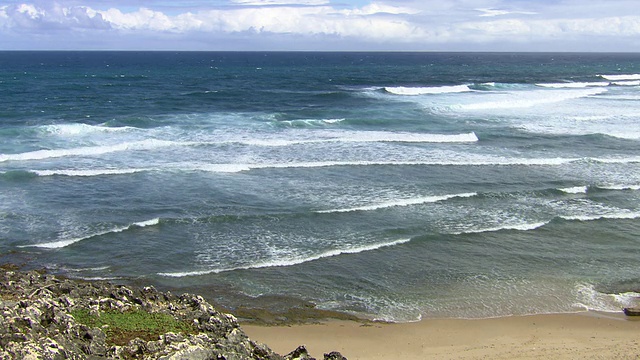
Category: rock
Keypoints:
(36, 323)
(300, 353)
(632, 311)
(334, 355)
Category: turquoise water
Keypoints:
(395, 186)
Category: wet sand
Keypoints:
(586, 335)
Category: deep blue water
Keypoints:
(391, 185)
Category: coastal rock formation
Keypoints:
(47, 317)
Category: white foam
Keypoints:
(526, 99)
(413, 91)
(363, 137)
(575, 190)
(619, 187)
(627, 160)
(82, 129)
(573, 85)
(64, 243)
(627, 83)
(240, 167)
(518, 227)
(292, 260)
(402, 202)
(320, 164)
(383, 136)
(311, 122)
(88, 151)
(621, 77)
(89, 172)
(621, 215)
(590, 299)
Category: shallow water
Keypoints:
(392, 186)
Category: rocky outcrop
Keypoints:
(38, 322)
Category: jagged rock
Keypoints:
(300, 353)
(36, 323)
(632, 311)
(334, 355)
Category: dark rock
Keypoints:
(632, 311)
(300, 353)
(334, 355)
(36, 323)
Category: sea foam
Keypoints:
(402, 202)
(575, 190)
(590, 299)
(82, 129)
(88, 172)
(622, 215)
(526, 99)
(64, 243)
(621, 77)
(573, 85)
(87, 151)
(290, 261)
(517, 227)
(413, 91)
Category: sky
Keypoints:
(322, 25)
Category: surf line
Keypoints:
(64, 243)
(404, 202)
(289, 261)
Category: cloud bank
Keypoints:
(490, 25)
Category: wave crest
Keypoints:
(413, 91)
(621, 77)
(290, 261)
(397, 203)
(64, 243)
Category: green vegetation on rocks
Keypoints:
(122, 327)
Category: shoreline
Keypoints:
(556, 336)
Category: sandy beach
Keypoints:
(586, 335)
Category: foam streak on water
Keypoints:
(516, 177)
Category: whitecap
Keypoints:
(401, 202)
(82, 129)
(291, 260)
(64, 243)
(526, 99)
(589, 298)
(621, 77)
(88, 150)
(619, 187)
(573, 85)
(518, 227)
(88, 172)
(621, 215)
(575, 190)
(627, 83)
(413, 91)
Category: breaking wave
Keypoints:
(573, 85)
(528, 99)
(82, 129)
(517, 227)
(291, 260)
(87, 151)
(64, 243)
(575, 190)
(413, 91)
(621, 77)
(403, 202)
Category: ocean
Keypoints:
(392, 186)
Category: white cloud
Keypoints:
(410, 24)
(497, 12)
(279, 2)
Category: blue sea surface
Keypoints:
(394, 186)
